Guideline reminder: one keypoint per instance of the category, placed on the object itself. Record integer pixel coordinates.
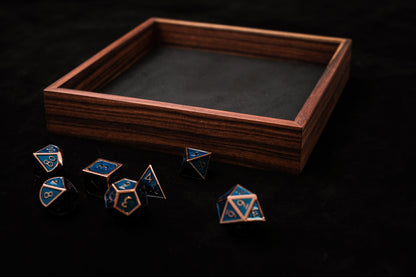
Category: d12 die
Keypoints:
(58, 195)
(99, 175)
(49, 161)
(124, 196)
(239, 205)
(149, 183)
(195, 163)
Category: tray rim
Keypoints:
(301, 118)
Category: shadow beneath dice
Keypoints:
(140, 217)
(246, 230)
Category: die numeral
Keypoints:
(148, 177)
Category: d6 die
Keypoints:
(58, 195)
(125, 196)
(99, 175)
(239, 205)
(195, 163)
(49, 161)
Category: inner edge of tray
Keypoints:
(149, 26)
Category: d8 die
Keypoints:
(195, 163)
(239, 205)
(99, 175)
(49, 161)
(149, 183)
(125, 196)
(58, 195)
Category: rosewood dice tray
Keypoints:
(253, 97)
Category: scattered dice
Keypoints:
(125, 196)
(195, 163)
(239, 205)
(58, 195)
(99, 175)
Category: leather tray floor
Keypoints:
(263, 87)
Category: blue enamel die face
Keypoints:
(102, 167)
(151, 184)
(125, 184)
(122, 196)
(51, 190)
(49, 157)
(198, 160)
(127, 202)
(237, 205)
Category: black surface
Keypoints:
(350, 213)
(239, 84)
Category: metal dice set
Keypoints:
(102, 179)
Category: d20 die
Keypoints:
(99, 175)
(239, 205)
(124, 196)
(195, 163)
(49, 161)
(149, 183)
(58, 195)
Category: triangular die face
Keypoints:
(48, 161)
(48, 194)
(192, 153)
(57, 182)
(201, 165)
(49, 149)
(151, 184)
(229, 214)
(243, 204)
(256, 212)
(239, 190)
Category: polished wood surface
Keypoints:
(73, 108)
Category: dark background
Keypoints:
(351, 212)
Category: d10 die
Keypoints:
(58, 195)
(99, 175)
(195, 163)
(149, 183)
(49, 161)
(125, 196)
(239, 205)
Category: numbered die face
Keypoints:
(51, 190)
(99, 175)
(49, 158)
(127, 202)
(150, 184)
(102, 167)
(239, 204)
(58, 195)
(122, 196)
(195, 163)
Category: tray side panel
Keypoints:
(114, 59)
(319, 106)
(244, 41)
(232, 140)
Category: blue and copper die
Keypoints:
(99, 175)
(125, 196)
(49, 161)
(149, 183)
(195, 163)
(58, 195)
(239, 205)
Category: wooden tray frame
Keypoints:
(73, 108)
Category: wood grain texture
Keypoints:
(73, 108)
